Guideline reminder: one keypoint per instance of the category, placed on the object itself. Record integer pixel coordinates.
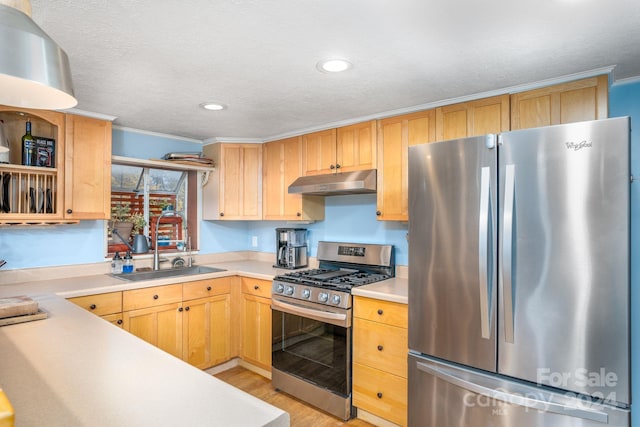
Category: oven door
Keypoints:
(313, 343)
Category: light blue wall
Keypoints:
(347, 219)
(624, 100)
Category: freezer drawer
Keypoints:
(444, 395)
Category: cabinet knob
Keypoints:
(380, 311)
(155, 297)
(69, 211)
(221, 213)
(298, 214)
(180, 309)
(92, 306)
(338, 166)
(256, 287)
(186, 309)
(332, 167)
(379, 395)
(119, 321)
(208, 288)
(378, 213)
(380, 348)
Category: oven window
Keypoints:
(314, 351)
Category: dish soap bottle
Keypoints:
(116, 264)
(127, 266)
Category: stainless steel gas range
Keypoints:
(311, 354)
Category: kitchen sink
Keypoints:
(161, 274)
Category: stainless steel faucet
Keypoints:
(156, 257)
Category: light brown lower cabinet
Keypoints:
(380, 347)
(160, 326)
(204, 322)
(256, 322)
(207, 336)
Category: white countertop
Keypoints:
(75, 369)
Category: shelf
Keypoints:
(32, 222)
(159, 164)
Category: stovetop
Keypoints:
(342, 267)
(340, 279)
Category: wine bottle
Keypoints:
(28, 147)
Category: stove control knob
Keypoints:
(335, 299)
(288, 290)
(323, 297)
(306, 293)
(279, 288)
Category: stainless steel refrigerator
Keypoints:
(519, 278)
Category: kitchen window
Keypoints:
(141, 191)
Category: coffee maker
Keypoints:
(291, 248)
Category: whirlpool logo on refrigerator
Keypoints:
(575, 146)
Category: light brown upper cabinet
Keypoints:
(234, 188)
(345, 149)
(75, 186)
(575, 101)
(87, 168)
(395, 135)
(473, 118)
(281, 165)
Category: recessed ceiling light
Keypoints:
(333, 65)
(213, 106)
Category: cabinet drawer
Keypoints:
(206, 288)
(100, 304)
(391, 313)
(116, 319)
(151, 297)
(380, 393)
(257, 287)
(382, 346)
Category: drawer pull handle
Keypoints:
(380, 348)
(379, 395)
(92, 306)
(208, 288)
(155, 297)
(380, 311)
(256, 287)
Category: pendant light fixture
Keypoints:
(34, 70)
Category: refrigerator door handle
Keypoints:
(484, 281)
(507, 251)
(523, 399)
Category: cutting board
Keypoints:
(41, 314)
(17, 306)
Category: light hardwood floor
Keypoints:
(301, 414)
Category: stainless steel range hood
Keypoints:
(358, 182)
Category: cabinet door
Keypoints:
(281, 166)
(473, 118)
(234, 191)
(160, 326)
(319, 152)
(256, 330)
(87, 168)
(576, 101)
(356, 147)
(207, 331)
(395, 135)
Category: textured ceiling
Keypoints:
(150, 63)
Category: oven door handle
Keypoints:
(339, 319)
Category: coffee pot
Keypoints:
(291, 248)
